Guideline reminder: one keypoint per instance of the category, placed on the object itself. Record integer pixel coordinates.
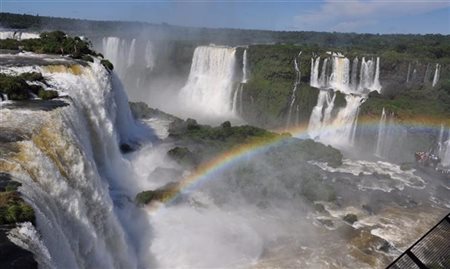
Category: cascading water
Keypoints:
(74, 176)
(237, 96)
(18, 35)
(341, 77)
(244, 67)
(436, 75)
(131, 53)
(409, 73)
(294, 90)
(209, 88)
(314, 80)
(381, 134)
(444, 146)
(149, 56)
(128, 56)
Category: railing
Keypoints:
(431, 251)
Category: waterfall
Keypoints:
(294, 90)
(131, 53)
(75, 177)
(444, 146)
(381, 133)
(339, 79)
(436, 75)
(149, 56)
(355, 81)
(445, 156)
(409, 72)
(18, 35)
(376, 86)
(244, 67)
(354, 74)
(210, 83)
(321, 113)
(314, 80)
(237, 95)
(426, 78)
(344, 76)
(237, 99)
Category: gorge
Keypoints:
(307, 159)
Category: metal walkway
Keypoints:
(431, 251)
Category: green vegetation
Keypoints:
(12, 208)
(17, 88)
(56, 42)
(47, 94)
(350, 218)
(314, 189)
(14, 87)
(420, 102)
(433, 46)
(107, 64)
(183, 156)
(161, 194)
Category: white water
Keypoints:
(409, 72)
(436, 75)
(294, 91)
(209, 88)
(237, 95)
(78, 196)
(444, 147)
(345, 78)
(381, 133)
(149, 55)
(244, 67)
(18, 35)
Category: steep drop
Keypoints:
(209, 88)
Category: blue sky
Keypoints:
(362, 16)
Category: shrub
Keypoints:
(87, 58)
(107, 64)
(15, 87)
(32, 76)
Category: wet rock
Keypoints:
(350, 218)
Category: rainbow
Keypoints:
(227, 159)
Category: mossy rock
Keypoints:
(32, 76)
(47, 94)
(13, 209)
(107, 64)
(14, 86)
(350, 218)
(183, 156)
(162, 194)
(87, 58)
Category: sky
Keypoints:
(360, 16)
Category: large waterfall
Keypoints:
(353, 79)
(209, 88)
(133, 60)
(74, 175)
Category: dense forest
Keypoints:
(422, 46)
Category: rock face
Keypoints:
(267, 94)
(11, 255)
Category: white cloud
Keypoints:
(347, 16)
